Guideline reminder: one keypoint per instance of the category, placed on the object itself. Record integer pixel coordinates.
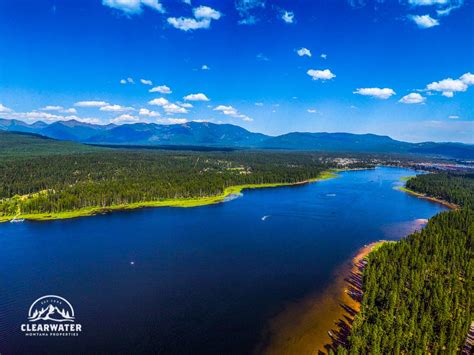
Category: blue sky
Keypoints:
(402, 68)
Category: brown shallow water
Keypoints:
(302, 328)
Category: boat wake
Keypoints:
(232, 197)
(15, 220)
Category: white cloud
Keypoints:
(171, 109)
(427, 2)
(91, 103)
(51, 108)
(325, 74)
(247, 9)
(127, 81)
(311, 110)
(196, 97)
(185, 104)
(249, 20)
(205, 67)
(91, 120)
(58, 109)
(161, 89)
(226, 110)
(159, 102)
(116, 108)
(453, 117)
(206, 12)
(449, 86)
(424, 21)
(132, 7)
(34, 116)
(125, 118)
(467, 79)
(446, 11)
(188, 2)
(376, 92)
(5, 109)
(231, 111)
(304, 51)
(146, 82)
(288, 16)
(154, 4)
(188, 24)
(324, 56)
(259, 104)
(177, 120)
(442, 7)
(203, 15)
(412, 98)
(148, 113)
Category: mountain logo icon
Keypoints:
(51, 315)
(51, 308)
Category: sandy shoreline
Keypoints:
(320, 322)
(303, 327)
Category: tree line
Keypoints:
(114, 177)
(418, 293)
(453, 187)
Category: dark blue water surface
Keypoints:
(204, 279)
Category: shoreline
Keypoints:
(403, 188)
(354, 293)
(179, 202)
(320, 324)
(304, 327)
(450, 205)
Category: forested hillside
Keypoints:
(452, 187)
(418, 293)
(16, 145)
(116, 177)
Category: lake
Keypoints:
(196, 280)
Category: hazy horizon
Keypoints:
(252, 131)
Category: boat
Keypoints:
(264, 218)
(19, 220)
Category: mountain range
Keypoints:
(206, 134)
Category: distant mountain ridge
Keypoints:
(208, 134)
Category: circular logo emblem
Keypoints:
(51, 308)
